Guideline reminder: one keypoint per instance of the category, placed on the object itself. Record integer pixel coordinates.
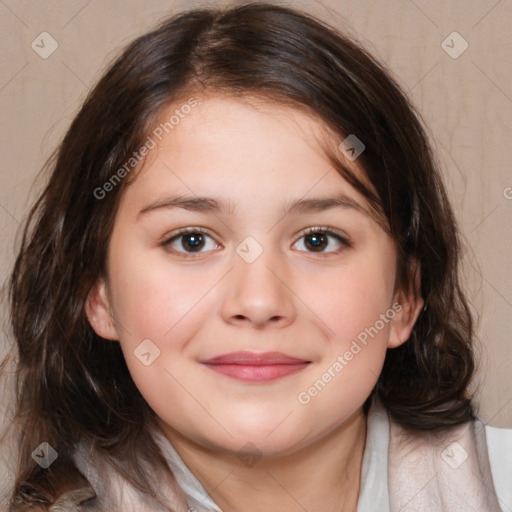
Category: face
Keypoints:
(279, 255)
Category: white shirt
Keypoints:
(374, 473)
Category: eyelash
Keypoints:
(313, 230)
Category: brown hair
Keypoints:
(73, 385)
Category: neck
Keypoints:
(322, 476)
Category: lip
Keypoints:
(255, 367)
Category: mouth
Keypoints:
(256, 367)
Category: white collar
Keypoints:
(373, 494)
(197, 497)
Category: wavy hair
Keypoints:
(73, 385)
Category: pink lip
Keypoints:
(254, 367)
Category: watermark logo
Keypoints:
(45, 455)
(351, 147)
(147, 352)
(454, 455)
(249, 249)
(44, 45)
(249, 454)
(454, 45)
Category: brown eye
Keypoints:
(318, 239)
(194, 241)
(190, 241)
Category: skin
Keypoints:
(291, 299)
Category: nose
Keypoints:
(259, 293)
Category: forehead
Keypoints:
(244, 128)
(241, 148)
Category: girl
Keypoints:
(240, 290)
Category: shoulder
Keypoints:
(499, 447)
(468, 462)
(9, 440)
(113, 491)
(8, 458)
(88, 476)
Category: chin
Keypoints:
(267, 443)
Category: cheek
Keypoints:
(353, 357)
(353, 298)
(355, 305)
(150, 298)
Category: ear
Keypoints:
(99, 312)
(407, 309)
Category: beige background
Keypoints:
(465, 101)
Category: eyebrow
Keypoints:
(217, 205)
